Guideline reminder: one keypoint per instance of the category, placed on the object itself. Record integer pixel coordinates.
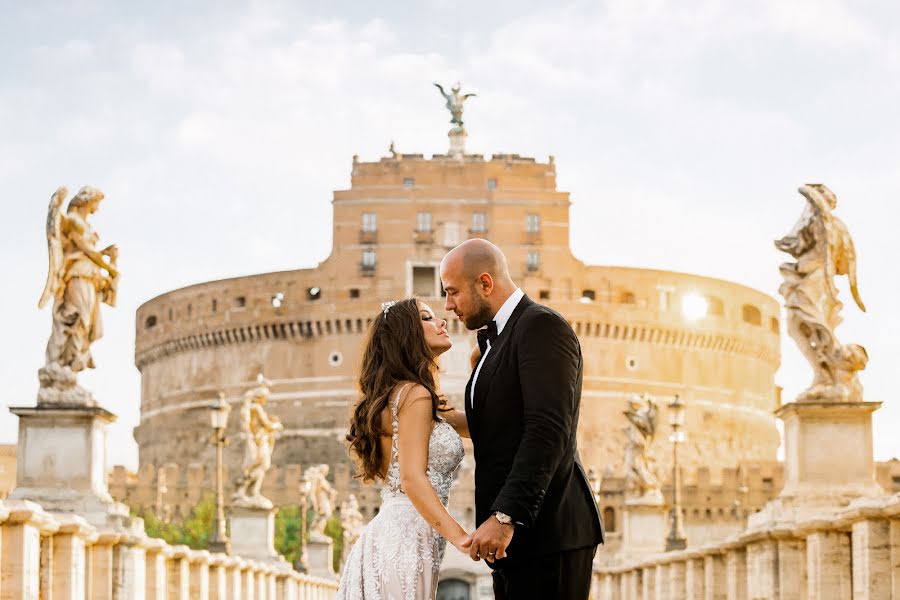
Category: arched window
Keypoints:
(609, 519)
(454, 589)
(715, 306)
(628, 298)
(150, 322)
(751, 314)
(774, 325)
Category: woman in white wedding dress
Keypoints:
(401, 434)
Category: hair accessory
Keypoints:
(386, 306)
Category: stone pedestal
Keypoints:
(457, 137)
(644, 528)
(61, 462)
(320, 550)
(253, 533)
(828, 460)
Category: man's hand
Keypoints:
(490, 540)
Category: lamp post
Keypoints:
(676, 540)
(218, 416)
(302, 565)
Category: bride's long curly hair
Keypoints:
(395, 353)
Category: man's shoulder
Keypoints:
(543, 316)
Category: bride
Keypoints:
(403, 434)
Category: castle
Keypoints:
(640, 329)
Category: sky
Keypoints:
(218, 131)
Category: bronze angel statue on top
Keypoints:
(823, 249)
(455, 101)
(80, 278)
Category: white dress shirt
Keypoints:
(500, 318)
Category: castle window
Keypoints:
(751, 314)
(408, 182)
(240, 302)
(354, 292)
(189, 310)
(150, 322)
(171, 314)
(774, 325)
(588, 296)
(479, 222)
(628, 298)
(534, 260)
(313, 293)
(609, 519)
(532, 223)
(544, 294)
(368, 261)
(492, 184)
(423, 221)
(715, 306)
(277, 300)
(369, 222)
(215, 305)
(424, 281)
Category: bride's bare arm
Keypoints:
(457, 419)
(412, 446)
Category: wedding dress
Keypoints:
(398, 554)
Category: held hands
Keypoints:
(462, 542)
(489, 541)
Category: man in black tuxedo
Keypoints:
(539, 526)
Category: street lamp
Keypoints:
(218, 417)
(676, 540)
(302, 565)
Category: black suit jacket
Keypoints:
(523, 424)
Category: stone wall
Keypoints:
(853, 553)
(48, 555)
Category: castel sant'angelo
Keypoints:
(714, 343)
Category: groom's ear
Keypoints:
(486, 283)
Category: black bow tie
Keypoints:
(485, 335)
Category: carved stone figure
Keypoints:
(322, 497)
(352, 522)
(823, 249)
(259, 440)
(455, 101)
(79, 279)
(641, 481)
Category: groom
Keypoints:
(538, 523)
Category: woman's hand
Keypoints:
(462, 542)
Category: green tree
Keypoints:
(334, 530)
(194, 532)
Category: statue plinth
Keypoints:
(61, 462)
(320, 555)
(457, 137)
(59, 387)
(253, 533)
(828, 460)
(644, 526)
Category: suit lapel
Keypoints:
(483, 385)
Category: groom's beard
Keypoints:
(482, 315)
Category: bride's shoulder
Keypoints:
(411, 393)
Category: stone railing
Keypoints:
(57, 556)
(854, 553)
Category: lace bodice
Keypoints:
(445, 452)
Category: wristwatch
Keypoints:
(504, 518)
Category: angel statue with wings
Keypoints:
(455, 101)
(823, 249)
(79, 279)
(641, 481)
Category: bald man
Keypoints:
(538, 524)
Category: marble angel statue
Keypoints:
(823, 249)
(259, 430)
(80, 278)
(322, 498)
(641, 481)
